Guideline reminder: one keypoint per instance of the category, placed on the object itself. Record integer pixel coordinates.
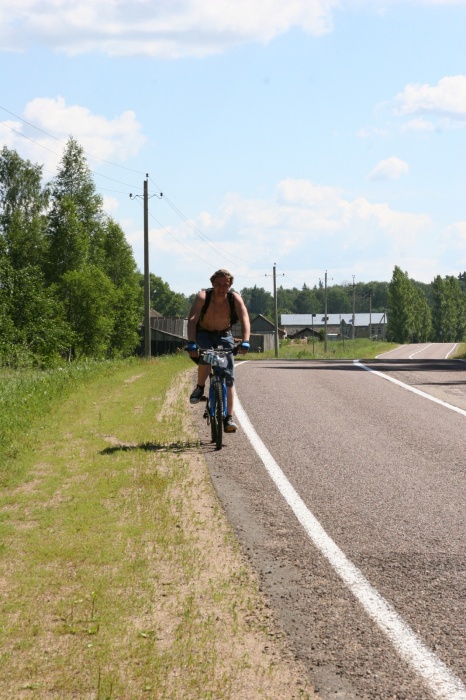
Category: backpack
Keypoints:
(231, 301)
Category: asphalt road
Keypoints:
(347, 491)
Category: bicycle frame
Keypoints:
(214, 379)
(216, 408)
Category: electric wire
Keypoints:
(41, 145)
(108, 162)
(209, 263)
(203, 236)
(195, 229)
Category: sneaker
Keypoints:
(197, 394)
(229, 426)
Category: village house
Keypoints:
(366, 325)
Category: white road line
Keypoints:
(388, 352)
(452, 350)
(438, 677)
(413, 389)
(418, 351)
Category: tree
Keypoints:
(69, 240)
(76, 218)
(422, 321)
(306, 301)
(69, 286)
(401, 309)
(33, 330)
(338, 301)
(449, 321)
(127, 314)
(258, 301)
(378, 293)
(89, 298)
(92, 264)
(164, 300)
(286, 300)
(23, 203)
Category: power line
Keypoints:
(219, 251)
(203, 236)
(33, 126)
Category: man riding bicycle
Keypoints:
(212, 315)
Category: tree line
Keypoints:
(416, 312)
(70, 287)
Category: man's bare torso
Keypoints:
(217, 316)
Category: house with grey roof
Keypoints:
(366, 325)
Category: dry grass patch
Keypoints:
(120, 576)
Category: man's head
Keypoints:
(222, 273)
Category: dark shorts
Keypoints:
(212, 339)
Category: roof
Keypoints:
(376, 318)
(262, 319)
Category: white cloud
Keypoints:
(372, 131)
(107, 139)
(389, 169)
(455, 239)
(446, 99)
(313, 224)
(111, 205)
(419, 125)
(165, 29)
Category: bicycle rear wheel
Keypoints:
(218, 416)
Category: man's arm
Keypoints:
(194, 314)
(243, 317)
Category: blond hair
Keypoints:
(222, 273)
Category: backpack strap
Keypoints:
(233, 314)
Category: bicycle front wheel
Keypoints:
(218, 417)
(213, 426)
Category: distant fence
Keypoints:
(175, 326)
(165, 342)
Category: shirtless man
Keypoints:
(210, 327)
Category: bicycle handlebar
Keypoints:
(214, 356)
(206, 355)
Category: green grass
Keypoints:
(27, 397)
(337, 350)
(460, 354)
(119, 575)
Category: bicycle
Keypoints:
(216, 399)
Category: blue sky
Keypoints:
(314, 134)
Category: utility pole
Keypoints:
(276, 307)
(147, 329)
(275, 302)
(354, 308)
(325, 312)
(370, 315)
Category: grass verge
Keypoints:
(361, 348)
(119, 576)
(336, 350)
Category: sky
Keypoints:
(311, 136)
